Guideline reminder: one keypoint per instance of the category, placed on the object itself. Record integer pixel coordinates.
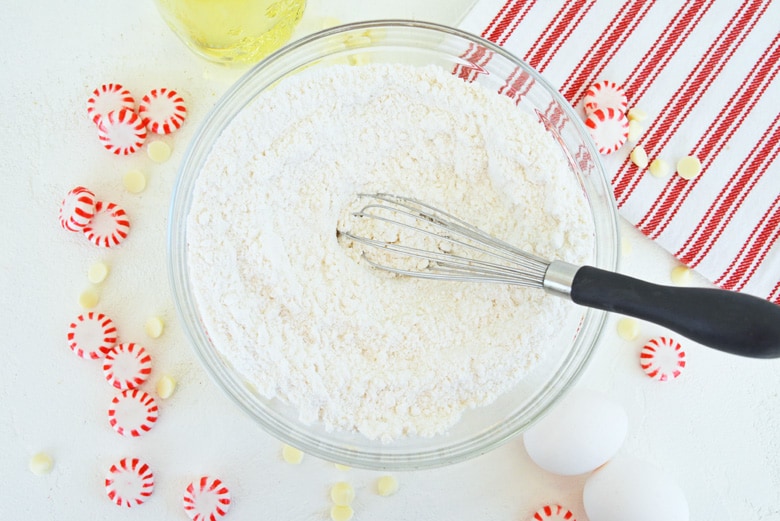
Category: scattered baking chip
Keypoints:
(626, 247)
(126, 366)
(162, 111)
(341, 512)
(77, 209)
(386, 486)
(604, 95)
(636, 114)
(97, 272)
(158, 151)
(608, 128)
(109, 226)
(553, 513)
(634, 131)
(639, 156)
(132, 412)
(206, 499)
(107, 98)
(154, 327)
(662, 359)
(291, 454)
(688, 167)
(41, 463)
(659, 168)
(134, 181)
(681, 275)
(88, 299)
(122, 132)
(628, 328)
(165, 386)
(91, 335)
(129, 482)
(341, 467)
(342, 493)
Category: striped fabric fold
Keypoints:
(706, 73)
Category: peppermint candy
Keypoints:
(662, 359)
(605, 94)
(91, 335)
(608, 128)
(109, 225)
(129, 482)
(122, 132)
(109, 97)
(132, 413)
(77, 209)
(206, 499)
(127, 366)
(162, 111)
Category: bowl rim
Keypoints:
(384, 458)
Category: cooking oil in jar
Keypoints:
(233, 31)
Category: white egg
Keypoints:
(579, 435)
(629, 488)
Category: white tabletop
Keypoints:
(714, 430)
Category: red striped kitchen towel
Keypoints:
(706, 73)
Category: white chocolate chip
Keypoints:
(88, 299)
(341, 513)
(292, 455)
(386, 486)
(158, 151)
(342, 493)
(635, 114)
(681, 275)
(639, 156)
(628, 328)
(688, 167)
(625, 247)
(659, 168)
(41, 464)
(165, 386)
(134, 181)
(154, 327)
(97, 272)
(634, 130)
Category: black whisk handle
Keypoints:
(733, 322)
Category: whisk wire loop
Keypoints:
(466, 253)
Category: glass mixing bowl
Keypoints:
(481, 429)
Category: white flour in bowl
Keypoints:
(300, 320)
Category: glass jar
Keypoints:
(239, 32)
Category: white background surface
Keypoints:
(715, 430)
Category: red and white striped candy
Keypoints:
(132, 412)
(608, 128)
(127, 366)
(605, 94)
(129, 482)
(206, 499)
(109, 225)
(77, 209)
(553, 513)
(662, 359)
(107, 98)
(91, 335)
(122, 132)
(162, 111)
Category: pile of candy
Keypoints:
(611, 124)
(102, 223)
(121, 129)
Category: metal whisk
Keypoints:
(408, 237)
